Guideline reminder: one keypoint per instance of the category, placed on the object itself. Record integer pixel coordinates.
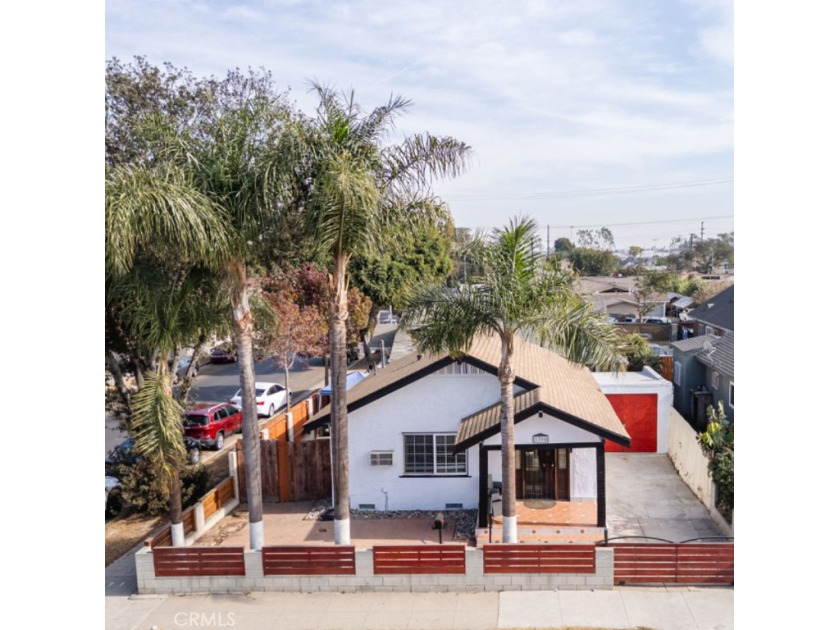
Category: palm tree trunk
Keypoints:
(506, 378)
(243, 326)
(176, 524)
(338, 401)
(119, 381)
(366, 333)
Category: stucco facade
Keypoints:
(435, 405)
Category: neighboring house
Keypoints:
(424, 431)
(704, 373)
(715, 316)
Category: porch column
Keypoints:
(482, 486)
(602, 484)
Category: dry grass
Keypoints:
(126, 531)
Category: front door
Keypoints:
(542, 474)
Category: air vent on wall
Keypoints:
(382, 458)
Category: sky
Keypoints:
(580, 114)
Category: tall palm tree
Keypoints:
(231, 163)
(363, 190)
(517, 295)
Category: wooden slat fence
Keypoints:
(198, 561)
(310, 476)
(501, 558)
(297, 560)
(685, 563)
(211, 502)
(416, 559)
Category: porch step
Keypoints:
(527, 535)
(545, 539)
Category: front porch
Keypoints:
(546, 521)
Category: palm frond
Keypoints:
(157, 425)
(161, 207)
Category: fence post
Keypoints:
(234, 472)
(198, 512)
(290, 427)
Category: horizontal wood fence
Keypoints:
(681, 563)
(415, 559)
(296, 560)
(211, 502)
(198, 561)
(519, 558)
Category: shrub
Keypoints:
(718, 443)
(143, 492)
(639, 354)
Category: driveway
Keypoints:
(646, 497)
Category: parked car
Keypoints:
(219, 355)
(124, 454)
(181, 370)
(270, 398)
(113, 496)
(656, 320)
(629, 320)
(211, 423)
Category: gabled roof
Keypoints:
(717, 311)
(553, 385)
(721, 357)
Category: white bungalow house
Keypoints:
(424, 431)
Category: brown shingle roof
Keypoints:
(559, 387)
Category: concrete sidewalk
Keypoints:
(660, 608)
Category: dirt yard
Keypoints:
(126, 531)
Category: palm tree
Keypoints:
(517, 295)
(162, 304)
(361, 191)
(210, 187)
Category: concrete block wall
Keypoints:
(474, 579)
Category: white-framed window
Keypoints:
(431, 454)
(732, 394)
(382, 458)
(677, 373)
(715, 379)
(710, 330)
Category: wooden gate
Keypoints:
(290, 471)
(678, 563)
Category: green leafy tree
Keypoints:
(363, 191)
(718, 443)
(518, 294)
(388, 276)
(594, 262)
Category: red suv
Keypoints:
(209, 423)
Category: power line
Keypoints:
(583, 193)
(611, 225)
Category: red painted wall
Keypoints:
(638, 413)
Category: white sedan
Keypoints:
(270, 398)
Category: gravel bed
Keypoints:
(462, 520)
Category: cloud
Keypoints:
(549, 93)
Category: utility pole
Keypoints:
(702, 223)
(547, 241)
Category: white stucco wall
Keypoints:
(647, 381)
(583, 472)
(434, 404)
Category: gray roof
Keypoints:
(722, 356)
(717, 311)
(695, 343)
(555, 385)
